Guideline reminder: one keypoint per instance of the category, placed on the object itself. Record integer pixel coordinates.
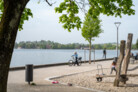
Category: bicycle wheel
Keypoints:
(80, 62)
(70, 62)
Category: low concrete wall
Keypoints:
(51, 65)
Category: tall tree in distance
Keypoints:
(137, 44)
(91, 29)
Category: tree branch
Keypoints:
(50, 4)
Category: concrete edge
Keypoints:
(50, 79)
(51, 65)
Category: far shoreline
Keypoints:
(59, 49)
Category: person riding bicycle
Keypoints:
(76, 58)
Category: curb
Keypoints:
(51, 65)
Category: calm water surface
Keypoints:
(21, 57)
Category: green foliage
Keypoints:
(97, 7)
(1, 8)
(70, 20)
(33, 84)
(134, 46)
(111, 7)
(109, 46)
(54, 45)
(25, 16)
(91, 28)
(47, 45)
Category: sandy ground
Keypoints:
(16, 80)
(88, 79)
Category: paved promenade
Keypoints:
(16, 80)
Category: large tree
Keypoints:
(10, 21)
(12, 12)
(91, 29)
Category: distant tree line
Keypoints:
(54, 45)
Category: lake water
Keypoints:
(21, 57)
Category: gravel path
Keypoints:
(88, 80)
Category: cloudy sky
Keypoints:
(45, 26)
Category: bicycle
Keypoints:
(72, 61)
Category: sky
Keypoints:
(45, 26)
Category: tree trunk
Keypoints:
(119, 63)
(127, 55)
(8, 29)
(90, 52)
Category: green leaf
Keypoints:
(69, 20)
(91, 27)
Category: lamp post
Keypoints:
(117, 24)
(94, 54)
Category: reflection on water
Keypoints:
(21, 57)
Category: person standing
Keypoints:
(132, 55)
(136, 57)
(76, 58)
(104, 53)
(113, 65)
(132, 58)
